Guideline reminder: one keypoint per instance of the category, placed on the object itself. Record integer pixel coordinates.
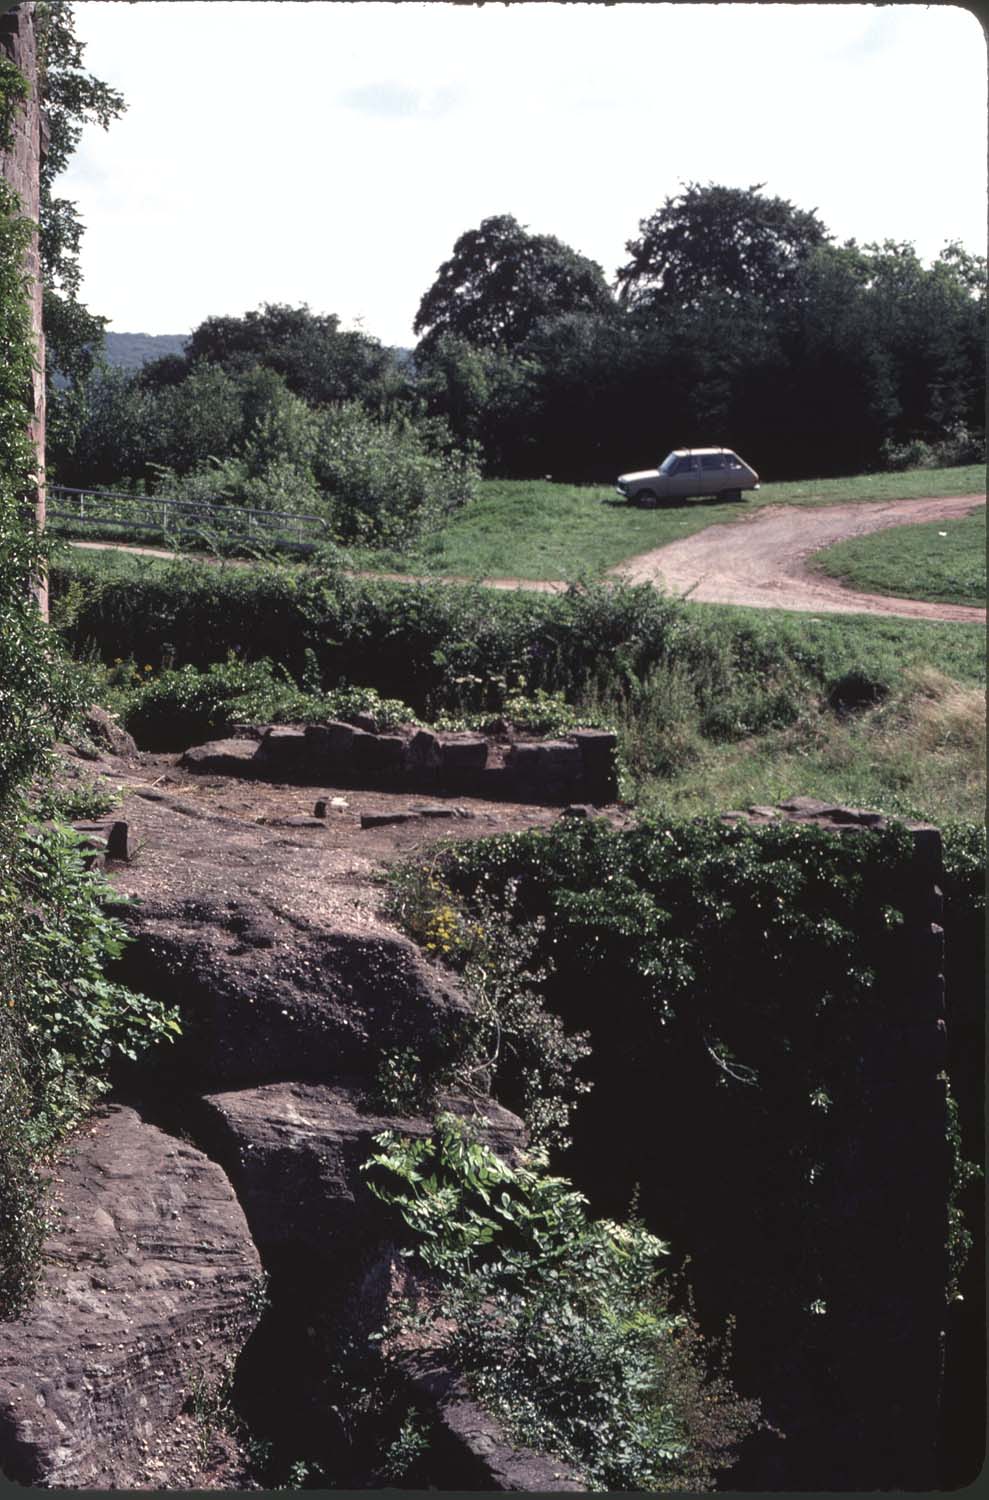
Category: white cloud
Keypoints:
(332, 153)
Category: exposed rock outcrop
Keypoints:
(149, 1273)
(294, 1153)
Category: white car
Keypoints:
(689, 471)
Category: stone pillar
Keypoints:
(20, 167)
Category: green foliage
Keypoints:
(719, 239)
(83, 797)
(675, 679)
(500, 280)
(181, 706)
(537, 712)
(945, 560)
(14, 90)
(740, 965)
(513, 1047)
(62, 1026)
(317, 360)
(37, 693)
(72, 98)
(389, 482)
(563, 1326)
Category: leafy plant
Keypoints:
(63, 1023)
(562, 1325)
(513, 1045)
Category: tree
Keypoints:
(501, 280)
(717, 239)
(318, 361)
(72, 98)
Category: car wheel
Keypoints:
(733, 494)
(647, 499)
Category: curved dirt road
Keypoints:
(762, 561)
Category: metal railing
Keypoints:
(182, 520)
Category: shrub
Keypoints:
(183, 705)
(514, 1047)
(563, 1326)
(62, 1025)
(388, 482)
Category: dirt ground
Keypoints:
(763, 560)
(199, 837)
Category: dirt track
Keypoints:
(761, 561)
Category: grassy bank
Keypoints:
(717, 705)
(539, 529)
(944, 561)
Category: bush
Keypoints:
(514, 1047)
(182, 706)
(389, 482)
(563, 1327)
(959, 446)
(62, 1025)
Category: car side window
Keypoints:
(712, 461)
(684, 466)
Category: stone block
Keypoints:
(465, 752)
(599, 759)
(545, 763)
(283, 750)
(233, 757)
(332, 742)
(382, 755)
(425, 751)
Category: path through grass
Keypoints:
(535, 528)
(944, 561)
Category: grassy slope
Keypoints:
(921, 753)
(540, 529)
(945, 561)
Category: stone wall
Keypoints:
(580, 766)
(20, 168)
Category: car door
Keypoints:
(685, 478)
(712, 476)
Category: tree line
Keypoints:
(736, 320)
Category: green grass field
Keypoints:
(944, 561)
(919, 753)
(536, 528)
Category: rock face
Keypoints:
(263, 998)
(294, 1153)
(104, 730)
(149, 1273)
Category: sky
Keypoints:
(331, 153)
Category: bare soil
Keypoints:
(763, 560)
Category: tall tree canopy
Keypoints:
(717, 239)
(500, 280)
(317, 360)
(72, 98)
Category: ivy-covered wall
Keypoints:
(766, 1014)
(21, 148)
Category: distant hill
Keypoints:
(129, 351)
